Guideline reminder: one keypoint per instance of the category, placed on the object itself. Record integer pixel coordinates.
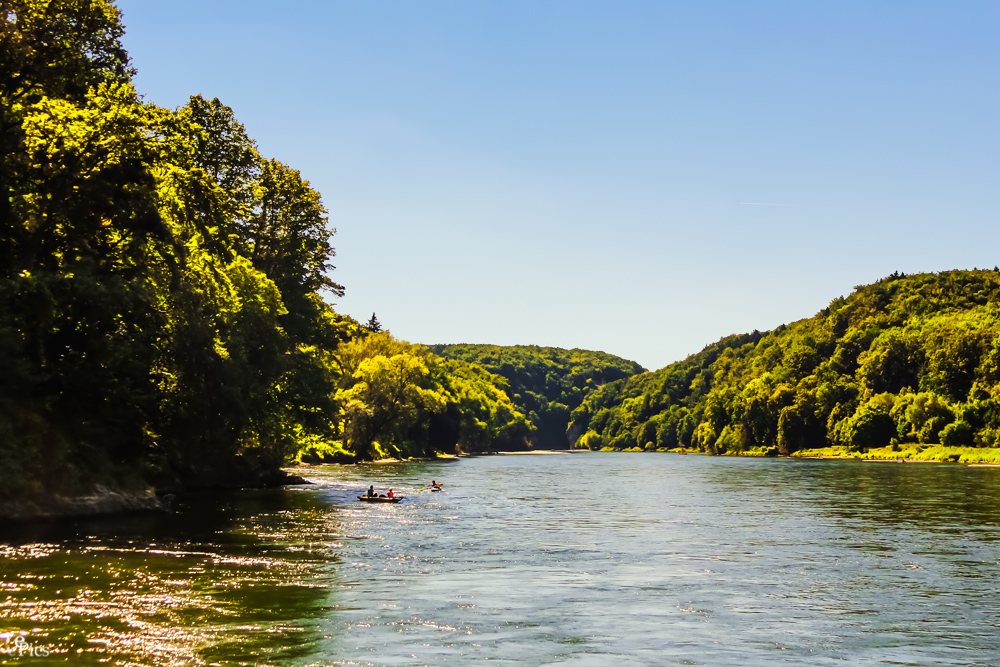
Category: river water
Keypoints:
(578, 560)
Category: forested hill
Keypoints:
(909, 359)
(163, 286)
(546, 383)
(161, 318)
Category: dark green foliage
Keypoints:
(159, 311)
(957, 434)
(870, 427)
(373, 325)
(908, 359)
(546, 383)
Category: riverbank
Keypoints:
(453, 457)
(910, 453)
(914, 453)
(103, 499)
(441, 457)
(543, 452)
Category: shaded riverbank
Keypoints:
(102, 500)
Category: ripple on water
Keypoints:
(576, 560)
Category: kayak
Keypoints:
(376, 499)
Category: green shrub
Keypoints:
(957, 434)
(325, 452)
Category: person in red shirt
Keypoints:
(390, 493)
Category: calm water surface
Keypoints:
(584, 559)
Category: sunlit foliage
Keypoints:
(908, 360)
(399, 399)
(160, 310)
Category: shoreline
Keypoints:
(451, 457)
(971, 456)
(544, 452)
(976, 464)
(103, 500)
(986, 457)
(107, 501)
(848, 457)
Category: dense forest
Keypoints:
(546, 383)
(163, 319)
(907, 362)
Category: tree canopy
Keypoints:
(546, 383)
(162, 292)
(160, 310)
(910, 359)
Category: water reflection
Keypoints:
(226, 579)
(594, 559)
(919, 494)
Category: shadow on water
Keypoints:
(226, 578)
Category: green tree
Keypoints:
(957, 434)
(550, 384)
(373, 324)
(800, 426)
(228, 155)
(288, 234)
(386, 398)
(893, 362)
(57, 50)
(869, 428)
(160, 281)
(926, 415)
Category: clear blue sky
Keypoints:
(641, 178)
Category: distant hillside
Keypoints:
(546, 383)
(910, 359)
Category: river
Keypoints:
(586, 559)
